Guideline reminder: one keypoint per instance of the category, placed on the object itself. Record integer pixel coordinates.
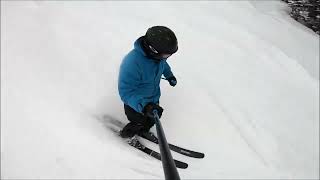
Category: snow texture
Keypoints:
(247, 93)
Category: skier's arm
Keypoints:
(129, 79)
(167, 70)
(169, 75)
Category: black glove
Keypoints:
(172, 80)
(148, 109)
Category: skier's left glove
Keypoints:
(172, 81)
(148, 109)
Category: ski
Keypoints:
(151, 137)
(138, 145)
(150, 152)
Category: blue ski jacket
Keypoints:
(139, 78)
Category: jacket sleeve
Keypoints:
(128, 81)
(167, 70)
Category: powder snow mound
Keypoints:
(247, 93)
(279, 11)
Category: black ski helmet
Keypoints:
(161, 40)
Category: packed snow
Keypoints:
(247, 93)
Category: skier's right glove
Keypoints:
(148, 109)
(172, 81)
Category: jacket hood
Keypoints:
(138, 47)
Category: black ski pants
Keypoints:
(138, 122)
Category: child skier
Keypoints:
(140, 75)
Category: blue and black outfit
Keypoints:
(138, 85)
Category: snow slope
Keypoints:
(247, 93)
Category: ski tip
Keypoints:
(182, 165)
(197, 155)
(186, 166)
(193, 154)
(201, 155)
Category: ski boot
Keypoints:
(133, 141)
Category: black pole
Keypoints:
(169, 167)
